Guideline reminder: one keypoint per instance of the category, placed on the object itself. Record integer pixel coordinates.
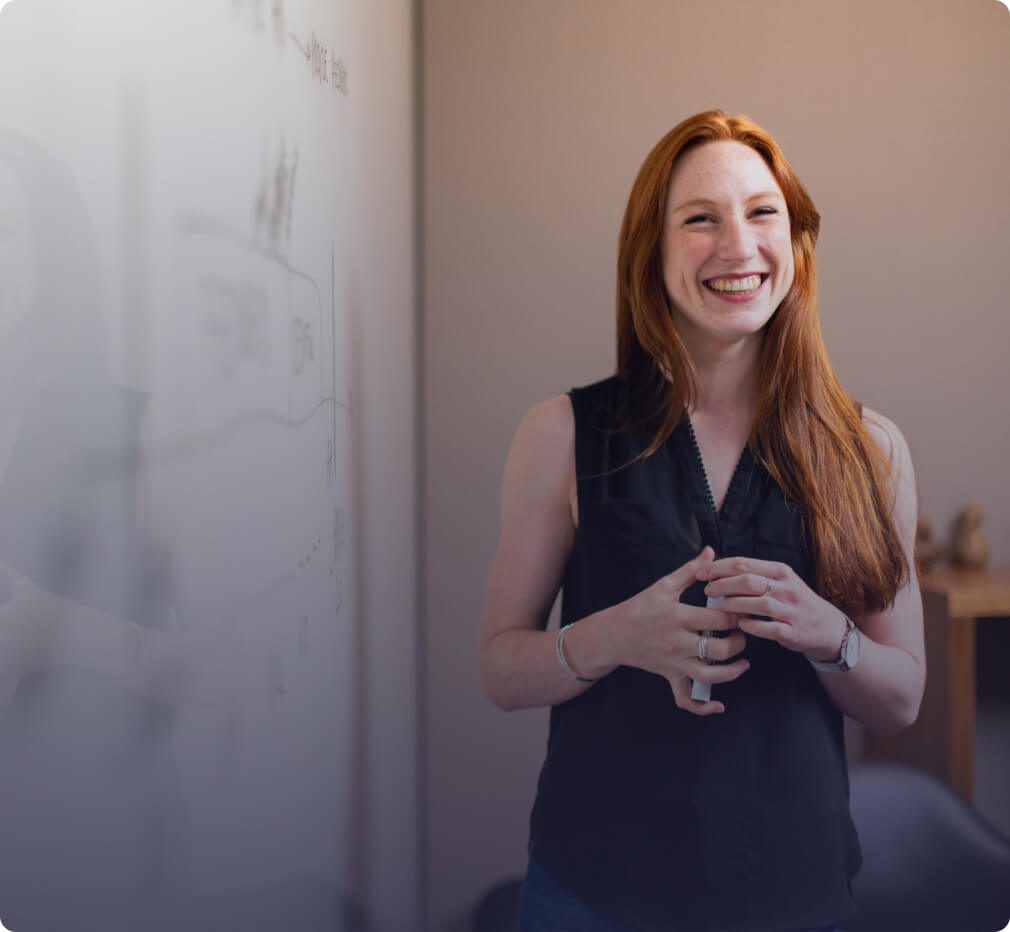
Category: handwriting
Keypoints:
(302, 344)
(326, 67)
(275, 200)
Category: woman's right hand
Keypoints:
(659, 633)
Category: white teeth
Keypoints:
(736, 285)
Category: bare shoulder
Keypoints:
(536, 522)
(539, 472)
(549, 422)
(902, 476)
(542, 458)
(889, 438)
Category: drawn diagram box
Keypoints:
(257, 323)
(235, 299)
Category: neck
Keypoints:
(729, 378)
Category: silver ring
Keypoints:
(702, 644)
(768, 588)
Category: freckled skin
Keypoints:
(741, 226)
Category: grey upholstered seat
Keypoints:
(930, 860)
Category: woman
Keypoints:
(724, 462)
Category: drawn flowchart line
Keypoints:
(331, 465)
(192, 223)
(192, 444)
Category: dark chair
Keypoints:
(496, 911)
(930, 860)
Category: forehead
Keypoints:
(719, 171)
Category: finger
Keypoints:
(769, 630)
(695, 618)
(685, 575)
(681, 686)
(716, 673)
(757, 605)
(739, 566)
(747, 584)
(723, 649)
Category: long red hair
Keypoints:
(807, 431)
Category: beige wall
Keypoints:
(384, 348)
(537, 114)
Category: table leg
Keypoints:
(961, 695)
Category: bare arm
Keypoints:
(518, 662)
(884, 690)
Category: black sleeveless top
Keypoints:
(653, 816)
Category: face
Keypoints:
(727, 255)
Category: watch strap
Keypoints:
(841, 665)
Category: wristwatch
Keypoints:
(849, 652)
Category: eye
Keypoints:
(699, 218)
(766, 211)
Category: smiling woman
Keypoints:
(720, 483)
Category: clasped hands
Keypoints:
(664, 633)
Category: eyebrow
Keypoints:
(708, 202)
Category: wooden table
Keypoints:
(942, 741)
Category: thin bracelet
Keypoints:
(561, 656)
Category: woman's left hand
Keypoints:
(800, 620)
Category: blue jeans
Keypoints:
(545, 907)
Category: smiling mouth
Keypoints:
(744, 285)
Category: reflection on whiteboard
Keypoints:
(176, 651)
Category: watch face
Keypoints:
(851, 652)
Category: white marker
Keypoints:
(703, 691)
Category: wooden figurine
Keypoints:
(970, 548)
(928, 552)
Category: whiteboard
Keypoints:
(177, 520)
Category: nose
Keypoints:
(737, 241)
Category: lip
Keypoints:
(737, 298)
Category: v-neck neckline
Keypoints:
(718, 515)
